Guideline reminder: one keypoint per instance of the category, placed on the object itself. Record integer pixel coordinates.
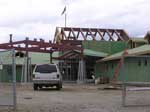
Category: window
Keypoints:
(145, 62)
(139, 62)
(112, 66)
(20, 54)
(107, 67)
(46, 68)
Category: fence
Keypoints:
(7, 78)
(135, 71)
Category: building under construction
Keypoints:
(96, 43)
(81, 52)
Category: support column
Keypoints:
(29, 70)
(51, 53)
(26, 74)
(81, 72)
(25, 70)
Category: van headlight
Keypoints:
(58, 76)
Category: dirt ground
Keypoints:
(78, 98)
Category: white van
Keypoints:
(47, 75)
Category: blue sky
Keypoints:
(39, 18)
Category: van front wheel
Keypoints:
(59, 86)
(35, 87)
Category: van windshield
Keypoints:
(46, 68)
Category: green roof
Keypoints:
(89, 52)
(145, 49)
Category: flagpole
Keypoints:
(65, 15)
(65, 19)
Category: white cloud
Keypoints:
(39, 18)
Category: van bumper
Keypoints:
(50, 82)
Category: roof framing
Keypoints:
(71, 33)
(38, 46)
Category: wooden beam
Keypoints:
(82, 34)
(69, 35)
(75, 37)
(118, 35)
(110, 32)
(99, 32)
(92, 34)
(111, 38)
(78, 34)
(64, 34)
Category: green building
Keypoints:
(93, 51)
(136, 65)
(136, 62)
(34, 58)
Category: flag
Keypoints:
(63, 10)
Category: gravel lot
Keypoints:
(78, 98)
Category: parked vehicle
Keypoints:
(47, 75)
